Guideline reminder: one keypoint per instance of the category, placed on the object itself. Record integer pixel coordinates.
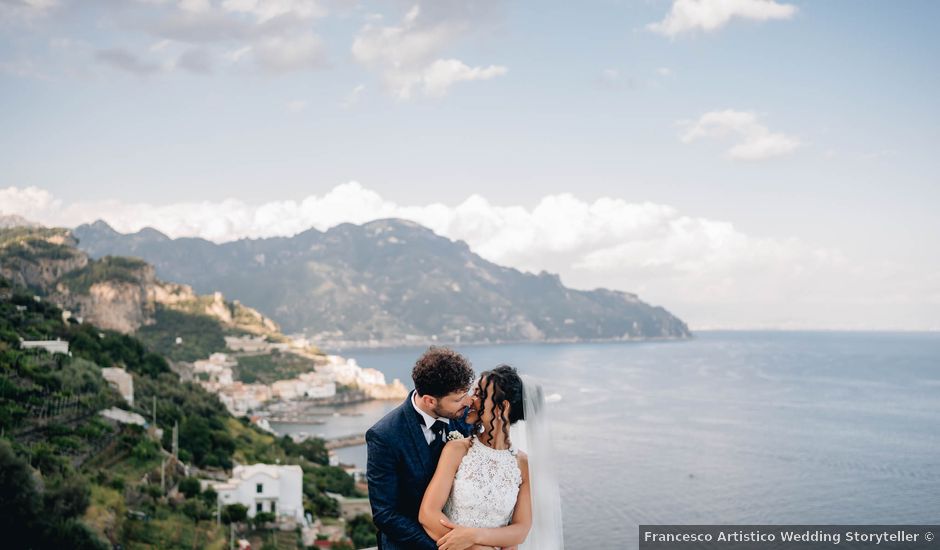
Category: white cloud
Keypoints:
(124, 60)
(444, 73)
(756, 141)
(705, 270)
(285, 54)
(30, 202)
(408, 55)
(160, 46)
(614, 79)
(352, 98)
(195, 6)
(296, 105)
(265, 10)
(26, 9)
(710, 15)
(236, 55)
(196, 60)
(200, 36)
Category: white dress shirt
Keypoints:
(428, 419)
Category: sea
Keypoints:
(726, 428)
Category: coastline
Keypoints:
(352, 345)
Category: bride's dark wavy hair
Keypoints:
(506, 386)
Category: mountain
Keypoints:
(388, 282)
(12, 220)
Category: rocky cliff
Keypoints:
(113, 292)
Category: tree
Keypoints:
(362, 531)
(334, 480)
(190, 487)
(313, 449)
(209, 496)
(67, 498)
(196, 509)
(21, 503)
(32, 518)
(234, 513)
(264, 517)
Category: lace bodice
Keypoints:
(485, 488)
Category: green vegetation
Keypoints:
(266, 369)
(311, 449)
(109, 348)
(332, 479)
(47, 514)
(234, 513)
(70, 478)
(35, 243)
(107, 269)
(10, 235)
(37, 250)
(362, 531)
(173, 530)
(204, 438)
(201, 335)
(22, 316)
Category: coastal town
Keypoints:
(276, 489)
(332, 373)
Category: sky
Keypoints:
(743, 163)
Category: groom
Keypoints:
(405, 445)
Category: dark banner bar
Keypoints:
(789, 537)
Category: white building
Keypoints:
(264, 488)
(124, 417)
(308, 384)
(52, 346)
(123, 382)
(321, 390)
(372, 381)
(249, 344)
(239, 398)
(370, 377)
(215, 363)
(348, 372)
(218, 370)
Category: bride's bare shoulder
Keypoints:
(523, 460)
(458, 446)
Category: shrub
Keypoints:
(190, 487)
(263, 517)
(234, 513)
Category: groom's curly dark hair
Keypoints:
(441, 371)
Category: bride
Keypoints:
(486, 492)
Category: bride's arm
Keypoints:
(511, 535)
(430, 513)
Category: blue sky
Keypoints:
(792, 143)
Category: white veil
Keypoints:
(533, 436)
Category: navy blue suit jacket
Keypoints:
(399, 469)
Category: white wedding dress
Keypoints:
(485, 488)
